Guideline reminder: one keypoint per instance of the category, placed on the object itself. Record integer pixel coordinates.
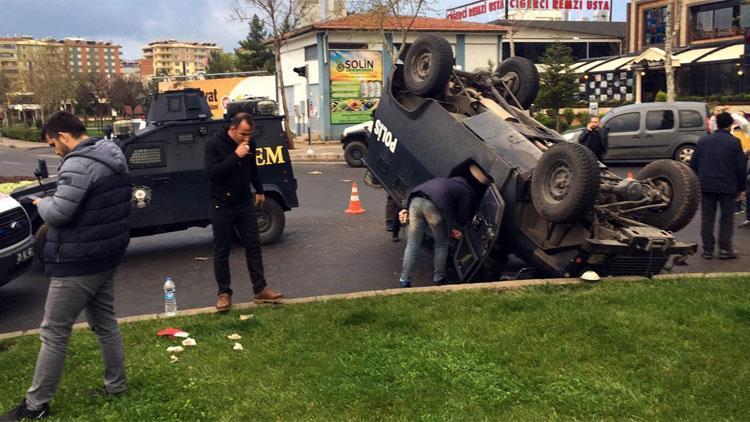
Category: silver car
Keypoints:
(649, 131)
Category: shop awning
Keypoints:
(689, 56)
(731, 52)
(585, 67)
(614, 64)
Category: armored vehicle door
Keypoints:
(480, 235)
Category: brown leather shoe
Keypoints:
(224, 302)
(268, 295)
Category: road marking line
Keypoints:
(13, 163)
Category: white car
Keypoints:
(354, 140)
(16, 240)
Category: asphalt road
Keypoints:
(323, 251)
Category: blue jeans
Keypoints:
(423, 213)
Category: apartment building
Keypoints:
(75, 55)
(175, 58)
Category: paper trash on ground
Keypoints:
(234, 336)
(245, 317)
(174, 349)
(188, 342)
(173, 359)
(237, 346)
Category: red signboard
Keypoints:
(482, 7)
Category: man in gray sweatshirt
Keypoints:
(88, 232)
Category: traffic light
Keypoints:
(302, 71)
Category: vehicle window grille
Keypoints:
(174, 104)
(193, 102)
(185, 138)
(148, 157)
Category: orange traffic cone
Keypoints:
(630, 175)
(355, 207)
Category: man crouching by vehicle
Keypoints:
(87, 235)
(231, 166)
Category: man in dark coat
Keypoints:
(592, 137)
(88, 232)
(231, 167)
(720, 165)
(439, 205)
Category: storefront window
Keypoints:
(654, 25)
(745, 16)
(723, 18)
(719, 19)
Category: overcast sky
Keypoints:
(134, 23)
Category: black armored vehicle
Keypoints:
(551, 203)
(166, 161)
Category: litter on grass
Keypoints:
(234, 336)
(173, 359)
(174, 349)
(238, 347)
(245, 317)
(172, 332)
(188, 342)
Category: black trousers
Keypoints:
(726, 203)
(225, 220)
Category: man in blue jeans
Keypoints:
(439, 204)
(88, 232)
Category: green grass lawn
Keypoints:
(651, 350)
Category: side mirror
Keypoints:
(41, 171)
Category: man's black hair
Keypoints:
(238, 118)
(62, 121)
(724, 120)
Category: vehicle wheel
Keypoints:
(522, 78)
(354, 151)
(271, 221)
(428, 66)
(684, 153)
(678, 182)
(40, 238)
(565, 184)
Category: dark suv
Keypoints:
(166, 161)
(552, 204)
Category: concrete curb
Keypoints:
(311, 158)
(22, 145)
(500, 286)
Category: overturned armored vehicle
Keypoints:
(551, 203)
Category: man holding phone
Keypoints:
(231, 167)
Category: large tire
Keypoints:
(354, 151)
(428, 66)
(522, 79)
(40, 238)
(565, 184)
(271, 221)
(680, 184)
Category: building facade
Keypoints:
(346, 64)
(75, 55)
(173, 58)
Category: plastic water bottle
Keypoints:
(170, 300)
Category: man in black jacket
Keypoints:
(592, 137)
(87, 234)
(720, 165)
(439, 204)
(231, 166)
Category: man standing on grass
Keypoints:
(720, 165)
(88, 232)
(231, 166)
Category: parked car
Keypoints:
(354, 140)
(16, 240)
(167, 166)
(650, 131)
(551, 203)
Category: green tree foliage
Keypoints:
(253, 55)
(559, 85)
(220, 62)
(123, 92)
(86, 94)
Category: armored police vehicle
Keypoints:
(552, 204)
(166, 161)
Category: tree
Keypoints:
(49, 78)
(281, 17)
(672, 24)
(86, 94)
(6, 87)
(219, 62)
(124, 92)
(253, 54)
(559, 84)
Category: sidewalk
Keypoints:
(22, 145)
